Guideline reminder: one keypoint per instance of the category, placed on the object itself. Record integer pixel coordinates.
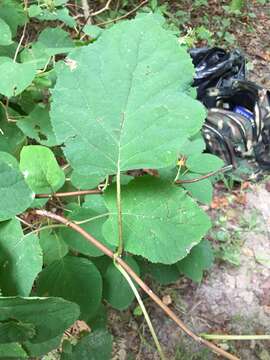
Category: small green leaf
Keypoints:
(92, 30)
(55, 41)
(203, 163)
(201, 190)
(84, 181)
(15, 77)
(14, 331)
(15, 194)
(116, 289)
(94, 346)
(34, 10)
(53, 246)
(50, 316)
(200, 258)
(160, 221)
(75, 279)
(20, 259)
(6, 37)
(41, 170)
(37, 125)
(57, 14)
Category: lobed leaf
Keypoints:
(125, 105)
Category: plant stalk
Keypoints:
(145, 313)
(119, 213)
(235, 337)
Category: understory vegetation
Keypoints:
(101, 157)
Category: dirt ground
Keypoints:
(232, 299)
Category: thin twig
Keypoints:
(123, 16)
(138, 280)
(20, 42)
(70, 193)
(106, 7)
(86, 11)
(189, 181)
(235, 337)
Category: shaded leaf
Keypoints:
(200, 258)
(42, 348)
(20, 259)
(75, 279)
(94, 223)
(50, 316)
(14, 331)
(6, 37)
(13, 350)
(15, 194)
(37, 125)
(97, 345)
(160, 221)
(116, 288)
(53, 246)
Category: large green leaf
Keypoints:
(117, 291)
(50, 316)
(94, 346)
(120, 103)
(75, 279)
(41, 170)
(15, 194)
(20, 259)
(160, 221)
(5, 32)
(200, 258)
(201, 190)
(15, 77)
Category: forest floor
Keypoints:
(234, 297)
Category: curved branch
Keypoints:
(70, 193)
(138, 280)
(189, 181)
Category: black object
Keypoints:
(238, 121)
(215, 67)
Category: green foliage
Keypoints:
(167, 214)
(116, 290)
(97, 345)
(64, 278)
(103, 105)
(200, 258)
(40, 169)
(20, 259)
